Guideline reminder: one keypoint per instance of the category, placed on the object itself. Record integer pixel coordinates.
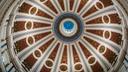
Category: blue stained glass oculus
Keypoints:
(68, 25)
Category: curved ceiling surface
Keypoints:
(67, 35)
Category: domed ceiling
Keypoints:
(66, 35)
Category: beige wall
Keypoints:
(4, 5)
(124, 3)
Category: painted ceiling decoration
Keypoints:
(66, 36)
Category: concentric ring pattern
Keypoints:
(86, 39)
